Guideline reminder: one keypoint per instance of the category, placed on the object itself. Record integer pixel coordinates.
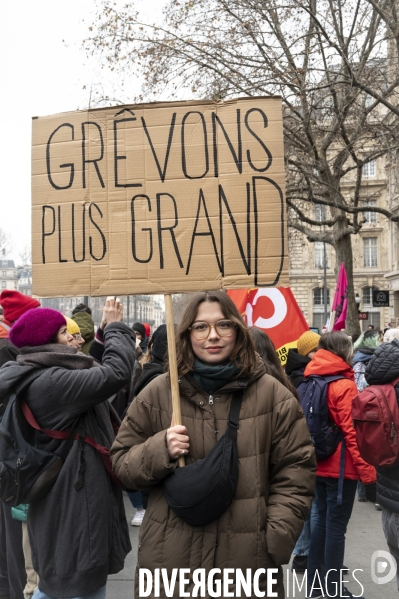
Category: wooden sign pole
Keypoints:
(174, 380)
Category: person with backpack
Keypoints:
(78, 530)
(383, 369)
(223, 386)
(338, 473)
(13, 574)
(365, 347)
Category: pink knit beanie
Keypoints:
(36, 327)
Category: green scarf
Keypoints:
(211, 377)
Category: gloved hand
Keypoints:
(371, 492)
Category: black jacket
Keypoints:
(295, 367)
(77, 537)
(121, 400)
(383, 368)
(150, 371)
(8, 351)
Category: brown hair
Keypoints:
(265, 348)
(337, 343)
(243, 355)
(147, 356)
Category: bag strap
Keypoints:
(341, 473)
(54, 434)
(235, 407)
(73, 436)
(328, 378)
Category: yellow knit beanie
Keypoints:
(72, 326)
(307, 342)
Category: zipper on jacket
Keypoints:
(17, 469)
(211, 400)
(394, 434)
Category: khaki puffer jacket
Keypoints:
(275, 485)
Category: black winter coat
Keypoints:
(78, 537)
(150, 371)
(295, 367)
(8, 351)
(383, 368)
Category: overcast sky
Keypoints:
(40, 74)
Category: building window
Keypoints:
(318, 296)
(367, 296)
(370, 251)
(371, 217)
(4, 274)
(374, 319)
(369, 169)
(319, 255)
(318, 307)
(3, 284)
(320, 213)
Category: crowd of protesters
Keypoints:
(113, 380)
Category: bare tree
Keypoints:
(329, 61)
(5, 243)
(26, 255)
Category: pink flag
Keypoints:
(340, 304)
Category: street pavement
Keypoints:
(364, 537)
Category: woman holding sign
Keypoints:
(218, 367)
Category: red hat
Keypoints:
(15, 304)
(147, 329)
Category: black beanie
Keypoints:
(160, 344)
(139, 328)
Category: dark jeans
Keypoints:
(135, 499)
(327, 544)
(361, 490)
(12, 561)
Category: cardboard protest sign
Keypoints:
(159, 198)
(276, 312)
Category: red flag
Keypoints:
(275, 311)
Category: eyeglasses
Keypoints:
(202, 329)
(77, 336)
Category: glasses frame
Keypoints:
(213, 326)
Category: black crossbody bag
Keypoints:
(201, 492)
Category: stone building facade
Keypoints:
(137, 308)
(393, 244)
(375, 256)
(8, 275)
